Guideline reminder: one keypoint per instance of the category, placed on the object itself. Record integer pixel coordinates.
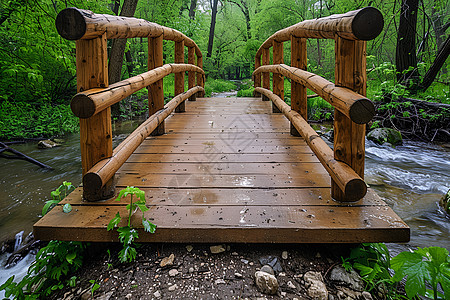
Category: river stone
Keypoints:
(46, 144)
(217, 249)
(385, 135)
(316, 287)
(167, 261)
(267, 269)
(266, 283)
(350, 279)
(445, 202)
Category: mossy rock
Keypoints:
(445, 202)
(385, 135)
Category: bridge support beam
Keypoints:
(299, 100)
(179, 77)
(257, 78)
(191, 74)
(96, 131)
(266, 75)
(156, 91)
(278, 80)
(200, 77)
(349, 137)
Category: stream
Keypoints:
(410, 178)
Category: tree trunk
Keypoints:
(439, 61)
(129, 60)
(212, 28)
(243, 5)
(405, 58)
(192, 9)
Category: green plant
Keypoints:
(127, 234)
(46, 274)
(57, 196)
(94, 286)
(428, 265)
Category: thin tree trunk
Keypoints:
(405, 58)
(439, 61)
(192, 9)
(212, 28)
(129, 60)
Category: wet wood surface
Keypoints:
(227, 170)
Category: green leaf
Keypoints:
(48, 205)
(412, 265)
(114, 222)
(142, 207)
(127, 235)
(70, 257)
(127, 253)
(148, 226)
(444, 278)
(67, 208)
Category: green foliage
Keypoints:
(218, 86)
(94, 286)
(57, 196)
(48, 272)
(127, 234)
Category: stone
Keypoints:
(86, 295)
(173, 287)
(244, 261)
(284, 255)
(350, 279)
(47, 144)
(219, 281)
(291, 285)
(191, 270)
(106, 296)
(385, 135)
(316, 287)
(349, 293)
(173, 272)
(268, 269)
(217, 249)
(273, 262)
(59, 141)
(189, 248)
(167, 261)
(238, 275)
(128, 296)
(445, 202)
(266, 283)
(366, 295)
(157, 294)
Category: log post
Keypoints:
(257, 78)
(155, 90)
(350, 72)
(299, 100)
(191, 74)
(179, 77)
(266, 75)
(96, 131)
(278, 80)
(200, 77)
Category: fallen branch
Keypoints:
(19, 155)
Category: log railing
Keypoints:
(345, 163)
(95, 96)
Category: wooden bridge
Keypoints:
(226, 169)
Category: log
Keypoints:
(179, 76)
(299, 98)
(355, 106)
(200, 77)
(191, 74)
(76, 24)
(277, 79)
(363, 24)
(103, 171)
(266, 75)
(19, 155)
(89, 103)
(345, 177)
(156, 90)
(257, 78)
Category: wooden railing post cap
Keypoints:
(71, 23)
(368, 23)
(82, 106)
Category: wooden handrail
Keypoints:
(88, 103)
(348, 181)
(355, 106)
(98, 176)
(362, 24)
(77, 24)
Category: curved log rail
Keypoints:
(353, 110)
(93, 102)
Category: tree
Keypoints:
(192, 9)
(212, 28)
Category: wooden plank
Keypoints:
(230, 148)
(233, 224)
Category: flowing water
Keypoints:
(410, 178)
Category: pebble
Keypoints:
(173, 272)
(266, 283)
(316, 287)
(267, 269)
(238, 275)
(217, 249)
(244, 261)
(284, 255)
(219, 281)
(189, 248)
(283, 294)
(234, 254)
(291, 285)
(173, 287)
(366, 295)
(128, 296)
(318, 255)
(191, 270)
(167, 261)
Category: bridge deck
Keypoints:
(229, 171)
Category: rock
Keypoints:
(445, 202)
(349, 279)
(59, 141)
(86, 295)
(385, 135)
(217, 249)
(157, 294)
(219, 281)
(267, 269)
(271, 261)
(173, 287)
(189, 248)
(366, 295)
(291, 285)
(244, 261)
(46, 144)
(167, 261)
(106, 296)
(266, 283)
(173, 272)
(128, 296)
(349, 293)
(191, 270)
(284, 255)
(238, 275)
(316, 287)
